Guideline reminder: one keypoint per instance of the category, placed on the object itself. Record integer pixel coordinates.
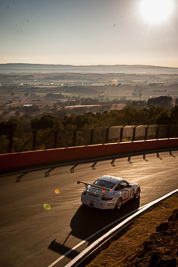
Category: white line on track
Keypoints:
(88, 238)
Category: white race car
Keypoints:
(108, 192)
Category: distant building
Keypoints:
(115, 82)
(28, 105)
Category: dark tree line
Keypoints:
(48, 131)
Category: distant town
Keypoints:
(36, 90)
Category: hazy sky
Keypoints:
(85, 32)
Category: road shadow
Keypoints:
(87, 221)
(62, 249)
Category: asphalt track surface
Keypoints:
(31, 235)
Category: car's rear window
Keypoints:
(104, 183)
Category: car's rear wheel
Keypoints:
(118, 203)
(137, 194)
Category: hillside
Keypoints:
(142, 69)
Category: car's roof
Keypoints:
(110, 178)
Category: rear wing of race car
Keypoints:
(97, 186)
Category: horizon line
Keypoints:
(90, 65)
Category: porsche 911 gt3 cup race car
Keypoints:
(108, 192)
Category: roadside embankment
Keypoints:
(152, 240)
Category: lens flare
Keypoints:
(46, 206)
(57, 191)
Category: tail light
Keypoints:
(84, 192)
(107, 198)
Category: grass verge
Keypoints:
(129, 244)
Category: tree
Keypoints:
(46, 121)
(174, 115)
(163, 118)
(8, 126)
(57, 125)
(163, 101)
(4, 144)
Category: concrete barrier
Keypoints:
(12, 161)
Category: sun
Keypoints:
(156, 11)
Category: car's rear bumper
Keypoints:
(99, 204)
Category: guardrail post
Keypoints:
(146, 132)
(121, 133)
(168, 131)
(107, 134)
(55, 138)
(11, 135)
(157, 132)
(134, 131)
(74, 137)
(91, 136)
(34, 139)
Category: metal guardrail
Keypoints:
(78, 260)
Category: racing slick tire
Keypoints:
(118, 203)
(137, 193)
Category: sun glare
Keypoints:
(156, 11)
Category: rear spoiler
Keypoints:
(97, 186)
